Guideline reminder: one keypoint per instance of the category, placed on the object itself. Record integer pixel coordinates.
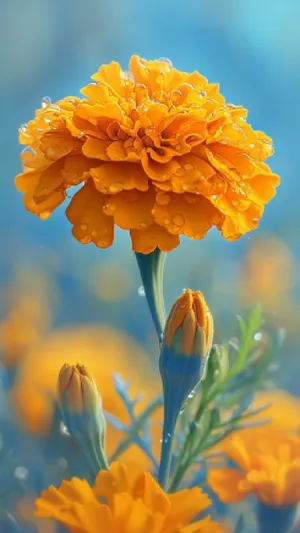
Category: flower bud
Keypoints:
(81, 408)
(189, 327)
(184, 353)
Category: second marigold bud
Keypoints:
(81, 408)
(189, 328)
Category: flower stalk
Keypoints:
(151, 267)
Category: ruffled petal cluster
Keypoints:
(268, 463)
(125, 500)
(157, 152)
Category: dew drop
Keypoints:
(155, 101)
(258, 336)
(21, 473)
(116, 187)
(86, 239)
(203, 93)
(255, 220)
(214, 196)
(28, 150)
(63, 429)
(110, 207)
(179, 172)
(179, 220)
(162, 198)
(83, 227)
(141, 291)
(166, 60)
(62, 462)
(44, 215)
(188, 167)
(192, 199)
(23, 128)
(46, 100)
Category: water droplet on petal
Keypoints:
(162, 198)
(141, 291)
(166, 60)
(179, 220)
(86, 239)
(83, 227)
(203, 93)
(110, 207)
(214, 196)
(143, 224)
(44, 215)
(23, 128)
(188, 167)
(116, 187)
(255, 220)
(179, 172)
(28, 150)
(46, 100)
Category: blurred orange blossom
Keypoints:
(103, 351)
(268, 461)
(157, 151)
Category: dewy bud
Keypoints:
(189, 327)
(81, 408)
(184, 353)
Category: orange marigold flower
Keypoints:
(125, 499)
(159, 153)
(269, 467)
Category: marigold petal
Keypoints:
(110, 74)
(44, 206)
(202, 526)
(112, 178)
(188, 214)
(235, 226)
(263, 187)
(131, 209)
(158, 171)
(57, 144)
(85, 212)
(147, 240)
(185, 505)
(225, 482)
(118, 479)
(96, 148)
(76, 168)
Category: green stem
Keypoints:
(151, 267)
(166, 454)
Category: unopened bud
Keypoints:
(189, 327)
(81, 408)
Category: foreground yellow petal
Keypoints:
(125, 500)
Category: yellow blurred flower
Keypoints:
(103, 351)
(27, 315)
(268, 461)
(268, 275)
(133, 502)
(159, 153)
(282, 411)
